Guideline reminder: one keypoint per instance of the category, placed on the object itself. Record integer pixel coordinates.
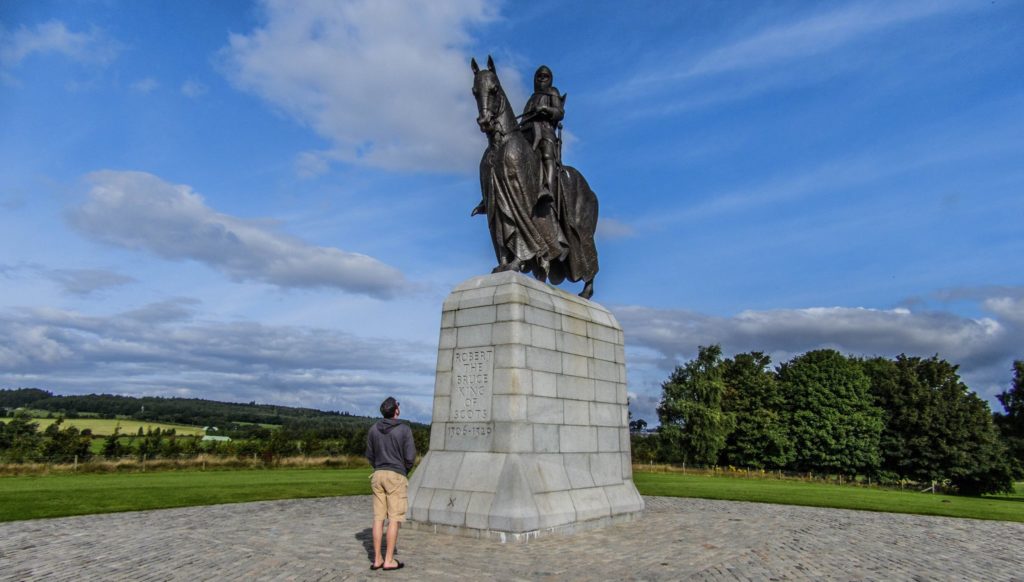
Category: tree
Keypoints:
(693, 425)
(638, 425)
(761, 438)
(833, 422)
(22, 438)
(935, 428)
(1011, 423)
(64, 445)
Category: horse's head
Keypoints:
(490, 98)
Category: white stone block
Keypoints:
(476, 297)
(451, 303)
(606, 468)
(604, 370)
(545, 384)
(540, 299)
(542, 410)
(603, 350)
(555, 509)
(577, 468)
(447, 319)
(511, 332)
(574, 325)
(545, 438)
(605, 391)
(444, 360)
(444, 466)
(542, 337)
(608, 440)
(511, 294)
(577, 439)
(507, 355)
(624, 441)
(575, 365)
(623, 498)
(575, 387)
(474, 336)
(547, 473)
(513, 437)
(507, 408)
(543, 360)
(513, 381)
(600, 316)
(437, 430)
(579, 345)
(604, 414)
(590, 503)
(449, 507)
(602, 332)
(574, 309)
(419, 504)
(542, 317)
(576, 412)
(442, 405)
(511, 312)
(627, 466)
(620, 354)
(476, 316)
(442, 384)
(479, 472)
(478, 509)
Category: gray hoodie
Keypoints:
(389, 446)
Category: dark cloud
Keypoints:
(140, 211)
(160, 349)
(74, 281)
(984, 347)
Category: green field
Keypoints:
(79, 494)
(62, 495)
(1000, 507)
(105, 426)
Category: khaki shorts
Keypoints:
(390, 495)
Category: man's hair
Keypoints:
(388, 407)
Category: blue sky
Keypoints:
(269, 201)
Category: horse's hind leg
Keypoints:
(588, 290)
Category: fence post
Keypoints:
(76, 463)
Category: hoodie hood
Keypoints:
(386, 425)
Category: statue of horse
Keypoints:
(550, 234)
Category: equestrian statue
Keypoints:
(541, 214)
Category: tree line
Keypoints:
(893, 420)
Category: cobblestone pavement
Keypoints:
(677, 539)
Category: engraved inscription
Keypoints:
(476, 436)
(470, 430)
(472, 380)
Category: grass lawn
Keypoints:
(30, 497)
(1001, 507)
(61, 495)
(105, 426)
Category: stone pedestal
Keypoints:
(530, 433)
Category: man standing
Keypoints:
(391, 452)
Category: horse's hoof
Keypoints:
(588, 290)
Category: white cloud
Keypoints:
(140, 211)
(54, 37)
(87, 281)
(193, 89)
(612, 228)
(147, 85)
(160, 349)
(387, 82)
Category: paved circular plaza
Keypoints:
(677, 539)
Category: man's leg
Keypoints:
(378, 531)
(389, 558)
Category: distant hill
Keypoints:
(191, 411)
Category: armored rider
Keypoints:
(540, 120)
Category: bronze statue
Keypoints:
(541, 221)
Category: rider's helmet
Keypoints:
(542, 79)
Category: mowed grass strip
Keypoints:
(63, 495)
(106, 426)
(997, 507)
